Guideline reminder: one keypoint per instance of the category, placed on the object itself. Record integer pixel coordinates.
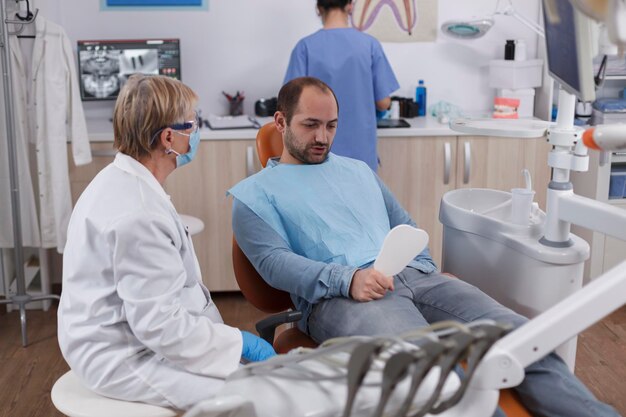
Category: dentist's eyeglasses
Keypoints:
(190, 124)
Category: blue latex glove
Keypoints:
(255, 349)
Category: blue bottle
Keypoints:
(420, 98)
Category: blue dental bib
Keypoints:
(333, 212)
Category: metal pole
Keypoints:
(12, 154)
(21, 298)
(4, 284)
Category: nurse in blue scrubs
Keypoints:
(354, 65)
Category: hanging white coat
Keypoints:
(49, 117)
(135, 321)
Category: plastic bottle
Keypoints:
(420, 98)
(520, 50)
(509, 50)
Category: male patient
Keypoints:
(313, 222)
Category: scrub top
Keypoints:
(354, 65)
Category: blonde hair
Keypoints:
(146, 104)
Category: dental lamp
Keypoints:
(477, 28)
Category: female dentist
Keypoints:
(354, 65)
(135, 321)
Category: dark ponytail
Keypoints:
(327, 5)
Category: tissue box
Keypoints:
(515, 74)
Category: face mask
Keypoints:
(194, 141)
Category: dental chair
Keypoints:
(269, 143)
(270, 300)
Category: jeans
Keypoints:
(549, 388)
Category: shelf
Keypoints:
(513, 128)
(615, 77)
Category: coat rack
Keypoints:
(21, 297)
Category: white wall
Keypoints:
(245, 45)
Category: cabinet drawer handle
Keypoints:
(447, 161)
(468, 163)
(103, 152)
(249, 161)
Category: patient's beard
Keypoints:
(304, 155)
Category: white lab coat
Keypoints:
(135, 321)
(48, 113)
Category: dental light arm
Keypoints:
(592, 214)
(504, 364)
(509, 10)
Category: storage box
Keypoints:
(617, 184)
(526, 98)
(515, 74)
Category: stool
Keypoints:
(71, 398)
(194, 224)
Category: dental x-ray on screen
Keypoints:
(105, 65)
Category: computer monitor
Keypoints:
(568, 46)
(105, 65)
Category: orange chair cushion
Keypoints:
(259, 293)
(269, 143)
(510, 403)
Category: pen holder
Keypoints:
(235, 107)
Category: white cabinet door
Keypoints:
(496, 162)
(418, 171)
